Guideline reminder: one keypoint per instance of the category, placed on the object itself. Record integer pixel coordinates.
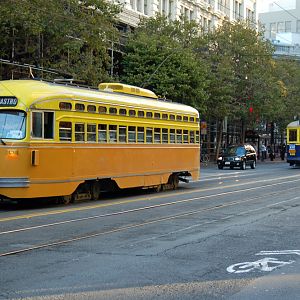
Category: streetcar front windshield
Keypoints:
(12, 124)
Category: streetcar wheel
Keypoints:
(158, 188)
(66, 199)
(95, 190)
(175, 182)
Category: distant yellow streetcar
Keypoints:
(58, 140)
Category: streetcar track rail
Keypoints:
(131, 226)
(140, 209)
(102, 205)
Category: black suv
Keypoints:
(238, 156)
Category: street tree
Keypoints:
(242, 84)
(68, 35)
(159, 56)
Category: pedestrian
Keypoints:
(271, 152)
(282, 151)
(263, 150)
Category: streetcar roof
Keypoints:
(29, 92)
(294, 124)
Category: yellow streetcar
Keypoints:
(74, 142)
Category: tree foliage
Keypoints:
(68, 35)
(159, 56)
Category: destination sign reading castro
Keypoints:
(8, 101)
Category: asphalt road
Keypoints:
(231, 235)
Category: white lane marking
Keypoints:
(279, 252)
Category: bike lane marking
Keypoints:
(266, 264)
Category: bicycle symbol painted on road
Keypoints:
(266, 264)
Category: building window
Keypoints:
(273, 31)
(288, 26)
(280, 27)
(298, 26)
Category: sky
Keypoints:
(275, 5)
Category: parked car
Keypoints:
(238, 156)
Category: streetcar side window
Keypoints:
(65, 106)
(293, 135)
(141, 134)
(91, 133)
(48, 125)
(157, 135)
(65, 131)
(113, 133)
(42, 125)
(185, 136)
(122, 112)
(179, 136)
(131, 134)
(141, 114)
(192, 136)
(149, 135)
(122, 134)
(197, 137)
(79, 132)
(102, 133)
(102, 110)
(91, 108)
(149, 114)
(79, 107)
(156, 115)
(165, 136)
(112, 111)
(37, 125)
(132, 113)
(172, 136)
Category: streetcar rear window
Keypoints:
(293, 135)
(12, 124)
